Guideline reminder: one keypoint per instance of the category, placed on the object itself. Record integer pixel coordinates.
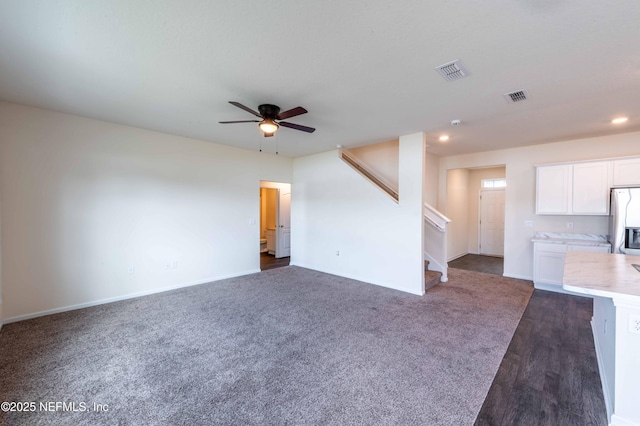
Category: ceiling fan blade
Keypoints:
(297, 127)
(292, 113)
(239, 105)
(241, 121)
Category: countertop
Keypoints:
(571, 239)
(602, 274)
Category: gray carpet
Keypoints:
(285, 346)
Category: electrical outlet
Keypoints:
(569, 225)
(528, 224)
(174, 264)
(634, 324)
(337, 252)
(132, 270)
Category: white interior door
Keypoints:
(492, 222)
(283, 234)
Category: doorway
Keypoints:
(463, 189)
(491, 222)
(275, 224)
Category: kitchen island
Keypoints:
(614, 284)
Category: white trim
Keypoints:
(603, 376)
(443, 269)
(124, 297)
(619, 421)
(626, 157)
(558, 289)
(518, 276)
(439, 220)
(457, 256)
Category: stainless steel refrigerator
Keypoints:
(624, 221)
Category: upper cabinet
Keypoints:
(591, 184)
(573, 189)
(626, 172)
(553, 189)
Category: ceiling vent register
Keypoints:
(452, 71)
(517, 96)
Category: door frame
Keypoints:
(267, 184)
(279, 226)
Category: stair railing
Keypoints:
(435, 240)
(369, 175)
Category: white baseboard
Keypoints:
(603, 377)
(518, 276)
(356, 278)
(123, 297)
(457, 256)
(558, 289)
(619, 421)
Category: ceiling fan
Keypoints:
(269, 114)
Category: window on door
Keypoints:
(494, 183)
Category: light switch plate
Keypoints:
(634, 324)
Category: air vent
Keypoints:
(452, 71)
(517, 96)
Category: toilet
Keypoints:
(263, 245)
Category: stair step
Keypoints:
(431, 278)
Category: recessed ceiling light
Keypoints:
(620, 120)
(444, 138)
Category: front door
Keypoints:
(492, 222)
(283, 232)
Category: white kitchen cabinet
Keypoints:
(590, 184)
(626, 172)
(573, 189)
(553, 189)
(548, 262)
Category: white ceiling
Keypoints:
(363, 69)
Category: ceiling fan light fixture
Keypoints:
(268, 126)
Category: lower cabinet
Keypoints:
(548, 262)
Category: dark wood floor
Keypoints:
(269, 261)
(549, 375)
(479, 263)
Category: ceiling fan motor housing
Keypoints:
(269, 111)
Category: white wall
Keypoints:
(431, 177)
(520, 191)
(83, 201)
(333, 208)
(380, 158)
(457, 209)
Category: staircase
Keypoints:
(374, 163)
(376, 179)
(431, 278)
(435, 240)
